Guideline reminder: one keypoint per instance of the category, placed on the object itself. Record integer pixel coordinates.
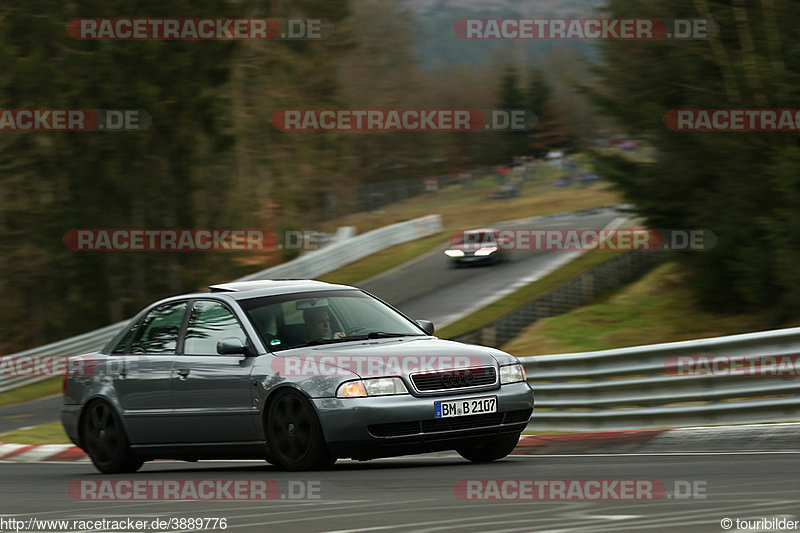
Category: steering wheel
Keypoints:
(355, 330)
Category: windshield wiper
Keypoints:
(331, 341)
(384, 335)
(370, 335)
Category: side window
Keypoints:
(125, 341)
(158, 333)
(209, 323)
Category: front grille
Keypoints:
(405, 429)
(454, 379)
(461, 422)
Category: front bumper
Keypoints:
(364, 428)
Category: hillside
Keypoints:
(438, 46)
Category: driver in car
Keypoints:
(318, 324)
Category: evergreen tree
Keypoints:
(745, 187)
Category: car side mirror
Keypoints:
(426, 325)
(232, 346)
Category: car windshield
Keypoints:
(482, 238)
(323, 317)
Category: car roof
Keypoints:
(272, 287)
(242, 290)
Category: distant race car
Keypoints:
(296, 372)
(476, 246)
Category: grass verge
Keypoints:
(526, 294)
(657, 308)
(52, 433)
(460, 208)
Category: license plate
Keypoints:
(473, 406)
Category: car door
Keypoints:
(212, 393)
(142, 382)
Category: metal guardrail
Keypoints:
(570, 295)
(344, 249)
(87, 342)
(634, 387)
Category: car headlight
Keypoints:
(454, 253)
(488, 250)
(512, 374)
(351, 389)
(371, 387)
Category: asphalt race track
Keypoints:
(416, 494)
(427, 288)
(30, 413)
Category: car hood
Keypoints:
(385, 357)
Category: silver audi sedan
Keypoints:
(296, 372)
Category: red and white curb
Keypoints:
(741, 438)
(581, 442)
(752, 437)
(528, 445)
(29, 453)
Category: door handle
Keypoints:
(123, 372)
(183, 373)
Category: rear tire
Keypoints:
(104, 439)
(294, 434)
(492, 450)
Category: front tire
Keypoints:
(104, 439)
(295, 435)
(492, 450)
